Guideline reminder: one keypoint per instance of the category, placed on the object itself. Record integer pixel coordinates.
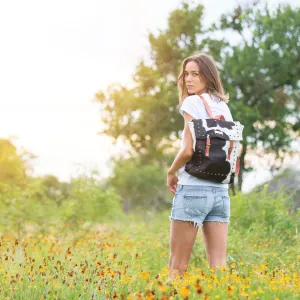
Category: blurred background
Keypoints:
(89, 106)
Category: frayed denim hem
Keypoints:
(218, 221)
(196, 224)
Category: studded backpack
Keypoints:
(216, 145)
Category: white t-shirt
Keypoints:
(194, 106)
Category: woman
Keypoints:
(197, 202)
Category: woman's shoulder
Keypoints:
(191, 101)
(191, 98)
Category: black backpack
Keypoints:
(216, 146)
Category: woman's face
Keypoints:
(193, 82)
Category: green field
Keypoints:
(127, 257)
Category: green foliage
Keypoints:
(91, 201)
(140, 184)
(88, 201)
(13, 165)
(288, 182)
(264, 212)
(171, 46)
(52, 188)
(19, 207)
(260, 213)
(45, 202)
(262, 76)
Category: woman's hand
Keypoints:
(172, 180)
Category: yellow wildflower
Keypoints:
(145, 275)
(184, 291)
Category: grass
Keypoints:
(128, 259)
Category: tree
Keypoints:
(265, 87)
(147, 115)
(262, 76)
(140, 185)
(14, 166)
(51, 188)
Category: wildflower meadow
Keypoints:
(126, 255)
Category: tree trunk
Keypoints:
(126, 205)
(232, 187)
(242, 166)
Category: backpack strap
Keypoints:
(207, 107)
(237, 167)
(219, 117)
(230, 148)
(207, 146)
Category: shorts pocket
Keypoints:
(179, 187)
(195, 205)
(226, 206)
(175, 197)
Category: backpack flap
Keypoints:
(226, 130)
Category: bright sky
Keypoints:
(55, 55)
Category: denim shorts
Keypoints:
(196, 203)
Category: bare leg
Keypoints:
(182, 239)
(215, 240)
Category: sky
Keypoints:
(55, 55)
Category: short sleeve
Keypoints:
(188, 106)
(228, 114)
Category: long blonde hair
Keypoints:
(208, 72)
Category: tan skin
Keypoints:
(182, 233)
